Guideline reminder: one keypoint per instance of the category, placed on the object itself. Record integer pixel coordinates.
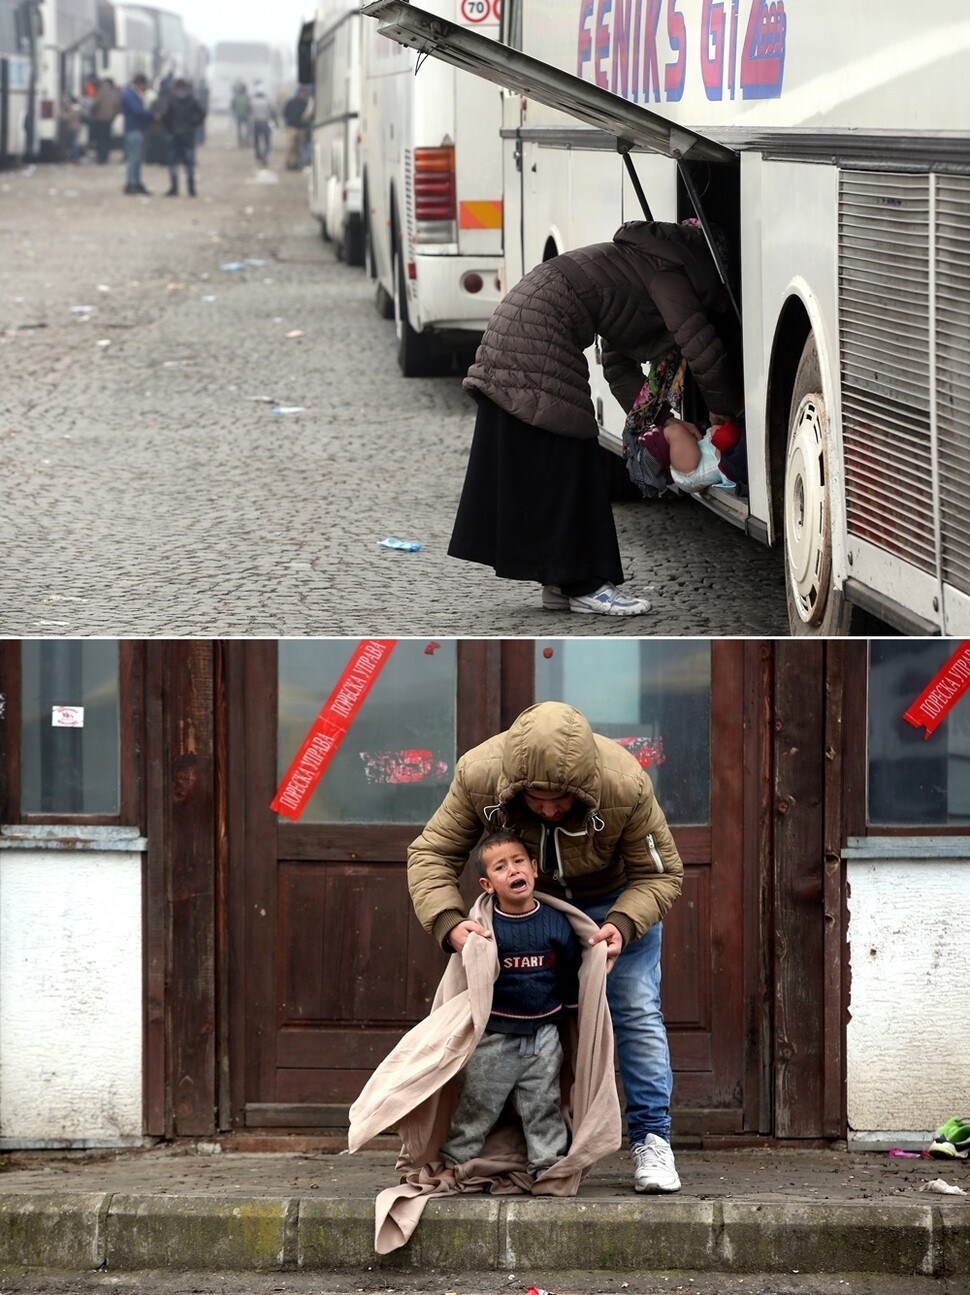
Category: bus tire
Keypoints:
(815, 606)
(413, 349)
(370, 261)
(354, 240)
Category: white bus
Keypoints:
(69, 42)
(330, 59)
(18, 81)
(835, 145)
(432, 191)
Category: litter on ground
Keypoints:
(408, 546)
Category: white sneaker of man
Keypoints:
(653, 1166)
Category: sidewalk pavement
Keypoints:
(199, 1207)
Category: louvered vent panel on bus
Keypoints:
(884, 292)
(953, 374)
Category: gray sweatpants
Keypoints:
(527, 1066)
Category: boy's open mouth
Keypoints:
(519, 883)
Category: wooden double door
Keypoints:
(327, 965)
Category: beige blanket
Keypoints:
(416, 1087)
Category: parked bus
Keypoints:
(330, 54)
(196, 68)
(19, 41)
(248, 61)
(67, 54)
(171, 44)
(835, 150)
(432, 191)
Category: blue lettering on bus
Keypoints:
(619, 47)
(584, 43)
(651, 67)
(620, 82)
(675, 74)
(712, 48)
(603, 8)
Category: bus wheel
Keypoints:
(413, 350)
(815, 606)
(354, 240)
(370, 263)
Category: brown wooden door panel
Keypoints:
(350, 947)
(693, 1052)
(686, 981)
(360, 1046)
(337, 967)
(321, 1086)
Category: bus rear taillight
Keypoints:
(435, 201)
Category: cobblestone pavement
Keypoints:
(151, 490)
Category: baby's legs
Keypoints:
(682, 439)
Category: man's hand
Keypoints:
(614, 943)
(458, 935)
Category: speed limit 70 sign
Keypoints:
(481, 10)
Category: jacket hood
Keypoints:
(682, 245)
(551, 746)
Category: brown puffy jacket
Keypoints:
(617, 837)
(647, 294)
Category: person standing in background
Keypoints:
(182, 117)
(104, 108)
(71, 117)
(241, 112)
(264, 118)
(294, 117)
(137, 120)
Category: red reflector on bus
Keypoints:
(472, 283)
(434, 184)
(47, 109)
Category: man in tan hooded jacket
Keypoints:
(587, 811)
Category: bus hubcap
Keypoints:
(806, 511)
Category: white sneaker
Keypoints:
(653, 1166)
(609, 601)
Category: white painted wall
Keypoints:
(906, 1047)
(70, 997)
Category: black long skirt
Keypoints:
(536, 506)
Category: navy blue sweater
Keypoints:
(538, 959)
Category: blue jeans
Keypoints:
(134, 144)
(633, 995)
(181, 151)
(261, 140)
